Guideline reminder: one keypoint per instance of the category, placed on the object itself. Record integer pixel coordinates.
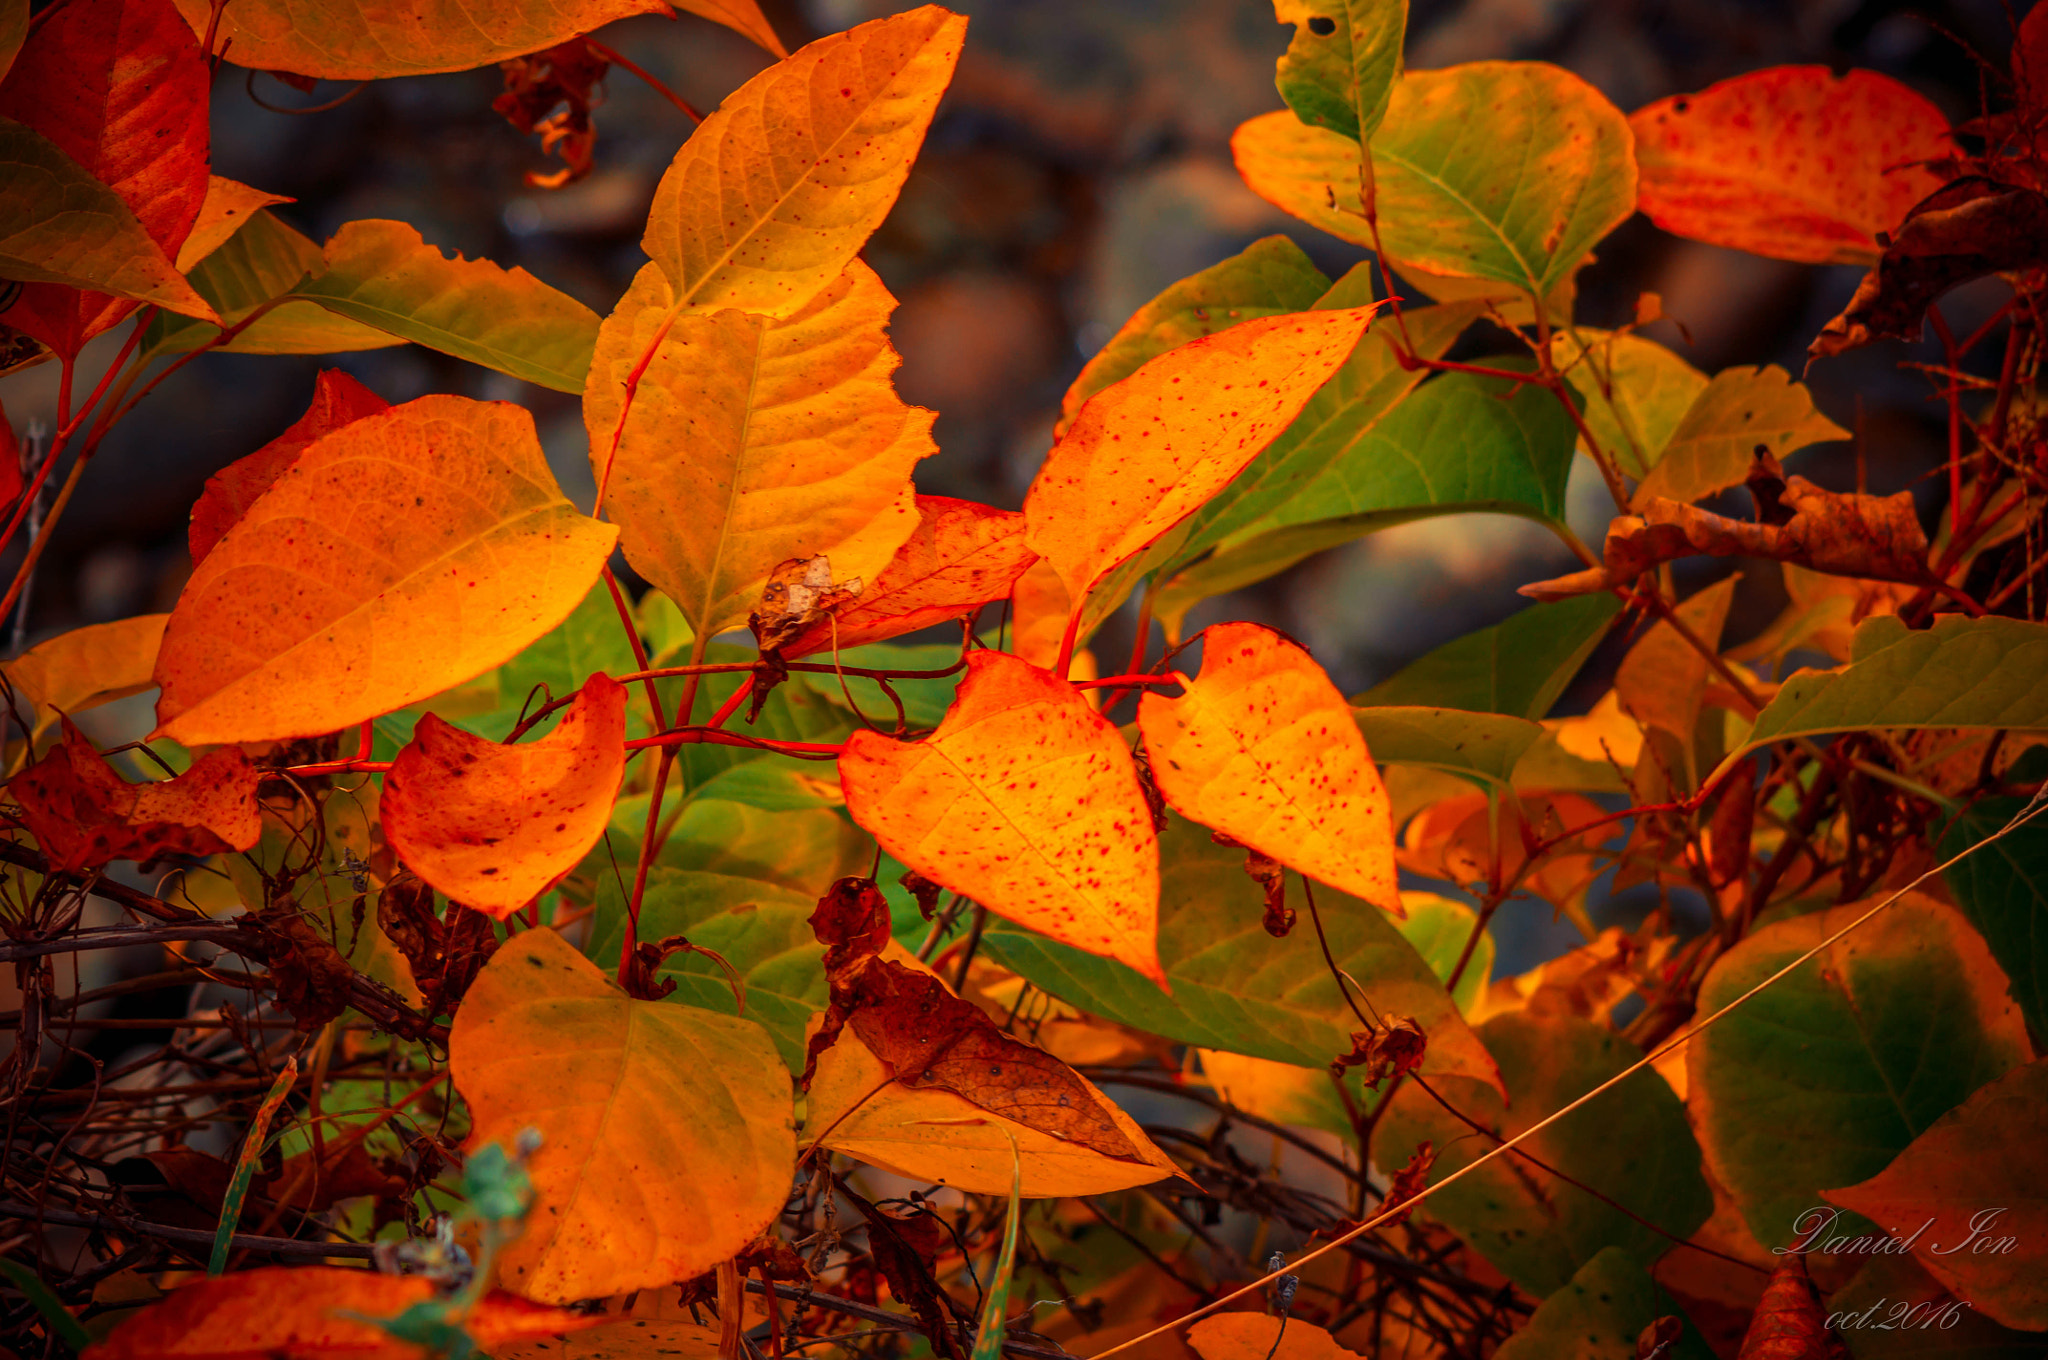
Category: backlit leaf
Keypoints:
(1025, 800)
(229, 206)
(1663, 680)
(775, 192)
(1599, 1313)
(494, 826)
(85, 816)
(668, 1129)
(1260, 1336)
(1144, 454)
(1636, 391)
(1518, 666)
(1238, 989)
(368, 576)
(1268, 277)
(1715, 442)
(1631, 1144)
(747, 442)
(1262, 747)
(2003, 889)
(120, 87)
(961, 555)
(383, 275)
(87, 667)
(1340, 68)
(302, 1313)
(1793, 162)
(1308, 171)
(367, 40)
(1896, 1025)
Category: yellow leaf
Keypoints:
(1663, 679)
(372, 575)
(227, 207)
(934, 1135)
(1026, 800)
(747, 442)
(774, 193)
(1310, 172)
(1737, 412)
(1264, 749)
(1147, 452)
(668, 1138)
(1281, 1092)
(495, 826)
(87, 667)
(1250, 1336)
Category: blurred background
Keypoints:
(1080, 163)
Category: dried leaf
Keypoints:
(444, 955)
(368, 576)
(1792, 162)
(313, 979)
(1263, 748)
(961, 556)
(1024, 800)
(535, 85)
(84, 815)
(800, 594)
(495, 826)
(338, 400)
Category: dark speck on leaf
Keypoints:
(1322, 25)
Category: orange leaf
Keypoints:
(293, 1313)
(338, 400)
(1026, 800)
(121, 87)
(84, 815)
(1790, 1323)
(961, 556)
(374, 573)
(1260, 1336)
(494, 826)
(1147, 452)
(228, 207)
(1264, 749)
(1792, 162)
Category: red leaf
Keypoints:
(121, 87)
(338, 400)
(1790, 1323)
(84, 815)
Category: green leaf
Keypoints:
(1631, 1144)
(1990, 672)
(762, 930)
(1715, 441)
(1237, 988)
(1822, 1078)
(1268, 277)
(1599, 1313)
(1438, 928)
(61, 1320)
(2003, 889)
(384, 275)
(1519, 666)
(1636, 391)
(802, 849)
(58, 224)
(1456, 445)
(776, 786)
(1483, 747)
(1340, 69)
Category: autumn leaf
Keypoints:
(1259, 1336)
(1636, 391)
(775, 192)
(121, 88)
(1714, 443)
(367, 577)
(494, 826)
(1790, 1322)
(961, 556)
(229, 206)
(1263, 748)
(302, 1313)
(668, 1140)
(617, 1338)
(1144, 454)
(338, 400)
(1662, 681)
(84, 815)
(1026, 800)
(87, 667)
(1340, 67)
(1793, 162)
(744, 443)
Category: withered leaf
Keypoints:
(84, 815)
(1790, 1322)
(930, 1039)
(447, 953)
(908, 1272)
(535, 86)
(312, 977)
(799, 593)
(1840, 533)
(1962, 231)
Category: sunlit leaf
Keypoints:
(775, 192)
(750, 442)
(367, 577)
(1715, 442)
(2003, 889)
(668, 1129)
(1631, 1144)
(1144, 454)
(383, 275)
(1662, 681)
(1025, 800)
(87, 667)
(367, 40)
(1636, 391)
(1263, 748)
(85, 816)
(1261, 1336)
(1897, 1024)
(1340, 69)
(1793, 162)
(229, 206)
(1308, 171)
(1599, 1313)
(495, 826)
(1518, 666)
(1268, 277)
